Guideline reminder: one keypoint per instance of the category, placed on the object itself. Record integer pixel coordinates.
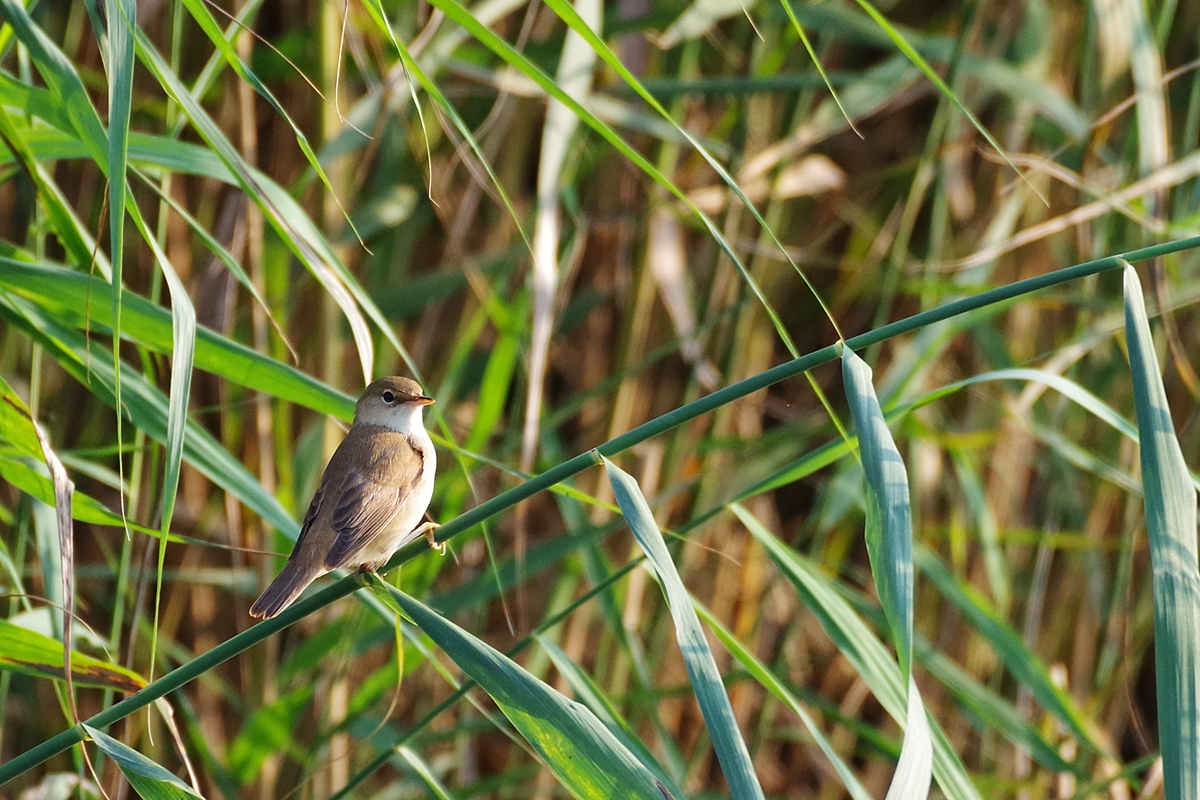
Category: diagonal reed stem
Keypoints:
(344, 586)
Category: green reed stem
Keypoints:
(344, 586)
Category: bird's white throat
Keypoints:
(402, 418)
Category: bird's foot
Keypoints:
(427, 530)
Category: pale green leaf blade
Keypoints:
(1170, 506)
(889, 514)
(147, 778)
(697, 656)
(584, 755)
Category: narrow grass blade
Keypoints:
(860, 646)
(148, 779)
(697, 657)
(889, 514)
(1025, 666)
(889, 545)
(588, 760)
(1170, 504)
(121, 16)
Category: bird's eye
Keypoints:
(389, 398)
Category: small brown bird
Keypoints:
(372, 496)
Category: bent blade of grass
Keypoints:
(1170, 506)
(889, 513)
(861, 648)
(588, 760)
(889, 545)
(183, 348)
(697, 657)
(776, 687)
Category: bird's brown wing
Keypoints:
(370, 498)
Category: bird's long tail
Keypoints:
(283, 591)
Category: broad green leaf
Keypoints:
(591, 695)
(148, 779)
(588, 760)
(33, 653)
(697, 657)
(1170, 505)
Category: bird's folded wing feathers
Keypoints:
(369, 499)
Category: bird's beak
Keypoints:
(424, 401)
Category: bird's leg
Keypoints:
(426, 529)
